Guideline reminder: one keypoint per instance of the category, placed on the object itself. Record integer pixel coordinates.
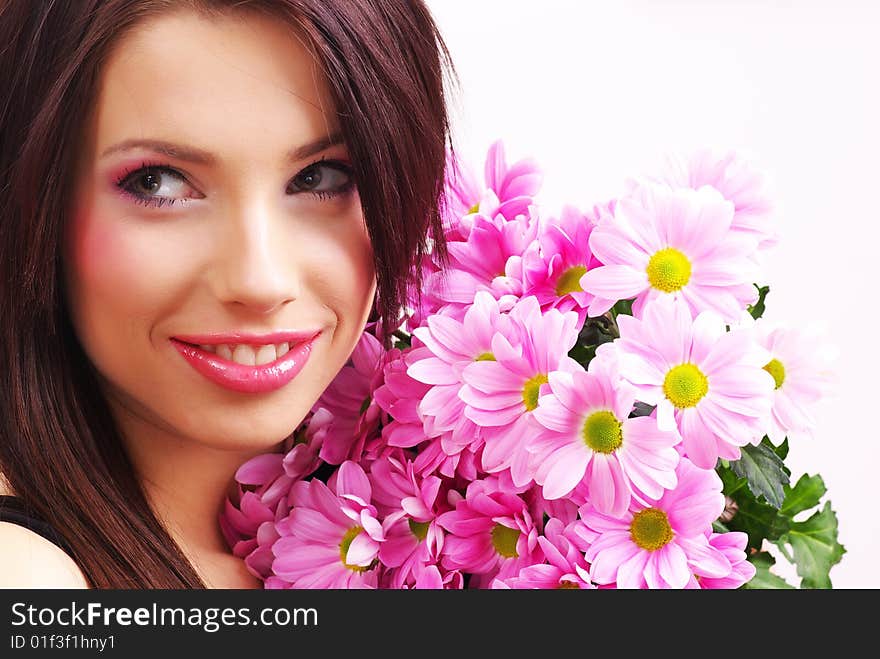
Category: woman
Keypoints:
(202, 205)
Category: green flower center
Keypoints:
(685, 385)
(777, 370)
(504, 540)
(419, 529)
(602, 432)
(347, 539)
(669, 270)
(485, 357)
(475, 208)
(570, 281)
(650, 529)
(531, 389)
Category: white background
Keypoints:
(598, 91)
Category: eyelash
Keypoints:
(123, 181)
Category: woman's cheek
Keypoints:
(121, 270)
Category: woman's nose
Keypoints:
(255, 268)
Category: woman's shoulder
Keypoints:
(28, 560)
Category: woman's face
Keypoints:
(224, 233)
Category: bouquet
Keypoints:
(590, 399)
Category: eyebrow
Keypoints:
(199, 156)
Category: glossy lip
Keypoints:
(245, 338)
(247, 379)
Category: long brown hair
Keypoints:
(60, 449)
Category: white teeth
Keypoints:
(244, 354)
(249, 355)
(265, 354)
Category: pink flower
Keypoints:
(490, 533)
(489, 260)
(502, 392)
(450, 346)
(331, 538)
(800, 379)
(565, 566)
(735, 180)
(732, 545)
(672, 243)
(409, 506)
(659, 543)
(506, 189)
(554, 264)
(707, 382)
(248, 526)
(349, 399)
(589, 440)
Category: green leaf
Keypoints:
(781, 450)
(803, 496)
(403, 341)
(814, 547)
(624, 307)
(765, 472)
(758, 519)
(757, 310)
(764, 579)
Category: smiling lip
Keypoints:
(248, 379)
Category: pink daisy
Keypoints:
(737, 182)
(489, 260)
(432, 578)
(588, 439)
(349, 399)
(565, 567)
(263, 485)
(501, 393)
(489, 534)
(401, 397)
(732, 545)
(451, 345)
(506, 189)
(800, 379)
(408, 505)
(331, 538)
(659, 543)
(707, 382)
(554, 264)
(672, 243)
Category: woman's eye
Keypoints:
(323, 179)
(155, 186)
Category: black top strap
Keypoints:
(13, 509)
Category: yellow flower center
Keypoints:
(650, 529)
(531, 389)
(567, 585)
(685, 385)
(419, 529)
(474, 209)
(347, 539)
(602, 432)
(504, 540)
(777, 370)
(669, 270)
(485, 357)
(570, 280)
